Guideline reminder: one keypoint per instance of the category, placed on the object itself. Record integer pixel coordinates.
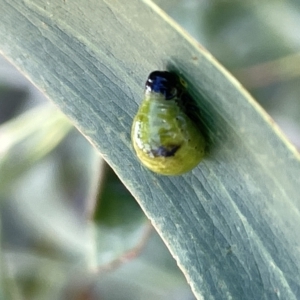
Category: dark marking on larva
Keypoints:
(165, 151)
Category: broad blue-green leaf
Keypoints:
(232, 223)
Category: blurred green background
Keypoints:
(69, 228)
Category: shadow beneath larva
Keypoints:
(199, 110)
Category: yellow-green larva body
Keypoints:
(165, 139)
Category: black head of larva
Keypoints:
(165, 83)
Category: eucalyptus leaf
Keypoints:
(233, 222)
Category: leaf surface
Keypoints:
(233, 222)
